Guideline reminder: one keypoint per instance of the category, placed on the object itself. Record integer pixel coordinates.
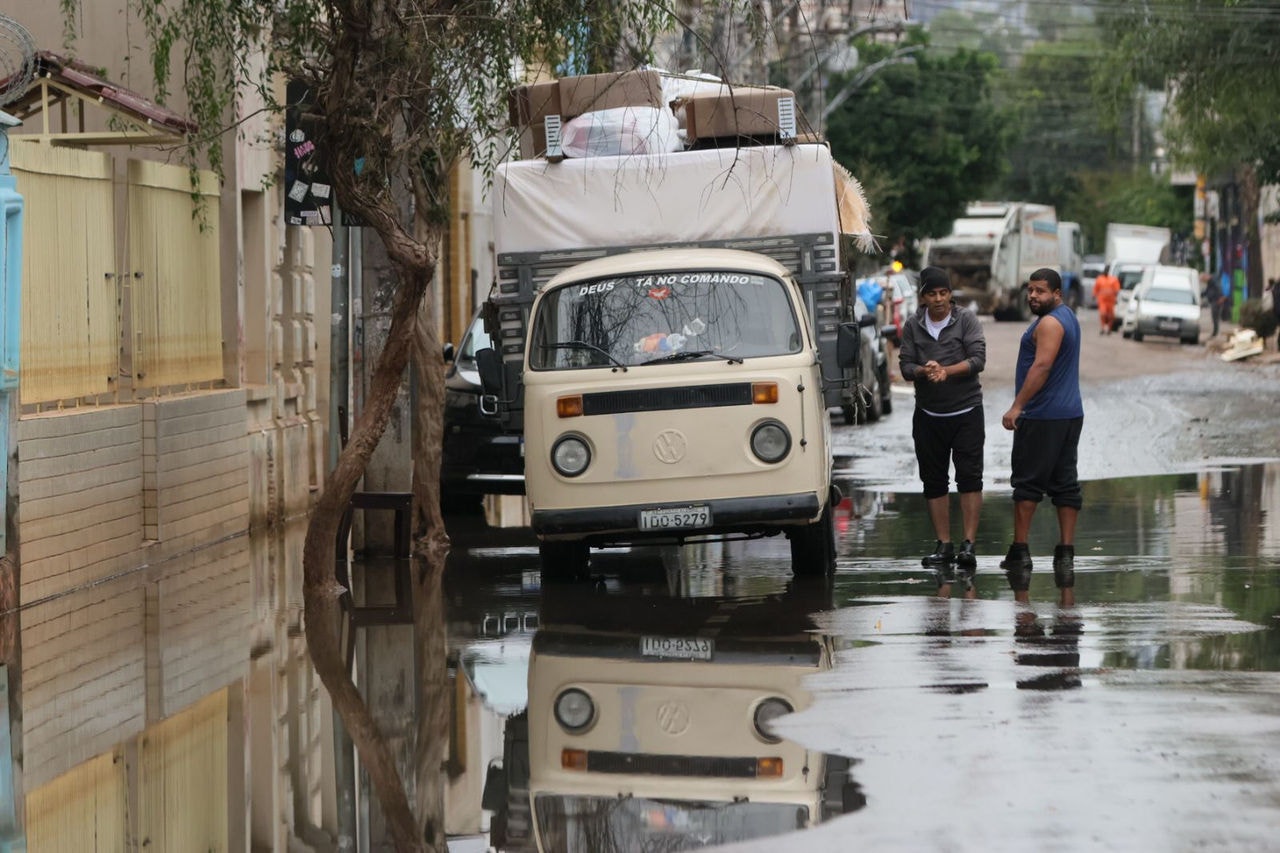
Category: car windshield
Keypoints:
(583, 824)
(1173, 295)
(1129, 278)
(651, 317)
(477, 339)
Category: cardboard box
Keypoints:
(533, 102)
(746, 111)
(589, 92)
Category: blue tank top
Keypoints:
(1059, 399)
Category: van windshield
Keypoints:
(643, 319)
(583, 824)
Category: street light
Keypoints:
(900, 57)
(841, 56)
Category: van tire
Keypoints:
(850, 414)
(1136, 335)
(564, 560)
(886, 392)
(813, 547)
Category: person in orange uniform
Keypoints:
(1106, 289)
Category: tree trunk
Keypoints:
(320, 587)
(1250, 199)
(431, 549)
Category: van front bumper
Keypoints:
(763, 515)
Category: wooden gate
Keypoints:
(103, 315)
(70, 336)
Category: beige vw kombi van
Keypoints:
(674, 395)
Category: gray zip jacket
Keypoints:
(960, 340)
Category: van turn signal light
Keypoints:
(769, 768)
(764, 392)
(569, 407)
(574, 759)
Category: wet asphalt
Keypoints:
(1146, 717)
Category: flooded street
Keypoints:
(1145, 717)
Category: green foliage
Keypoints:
(924, 138)
(1125, 196)
(1060, 131)
(1220, 60)
(404, 89)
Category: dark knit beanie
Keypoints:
(934, 278)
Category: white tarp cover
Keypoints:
(685, 196)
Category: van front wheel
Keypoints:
(813, 547)
(564, 560)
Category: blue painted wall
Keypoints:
(10, 303)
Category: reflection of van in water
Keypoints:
(640, 739)
(673, 395)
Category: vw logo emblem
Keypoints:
(673, 717)
(669, 446)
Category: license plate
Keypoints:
(675, 518)
(683, 648)
(1169, 325)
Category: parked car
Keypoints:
(1094, 265)
(1129, 274)
(1166, 302)
(478, 457)
(875, 394)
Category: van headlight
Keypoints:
(570, 455)
(766, 712)
(574, 710)
(770, 442)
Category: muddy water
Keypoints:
(1146, 717)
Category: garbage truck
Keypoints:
(670, 332)
(991, 252)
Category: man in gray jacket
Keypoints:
(943, 351)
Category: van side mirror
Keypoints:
(848, 345)
(867, 320)
(448, 353)
(489, 365)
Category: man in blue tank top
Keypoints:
(1046, 417)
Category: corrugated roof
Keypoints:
(72, 77)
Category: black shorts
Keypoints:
(940, 441)
(1044, 461)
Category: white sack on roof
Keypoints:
(621, 130)
(682, 197)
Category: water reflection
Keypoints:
(651, 701)
(1149, 551)
(1054, 652)
(927, 689)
